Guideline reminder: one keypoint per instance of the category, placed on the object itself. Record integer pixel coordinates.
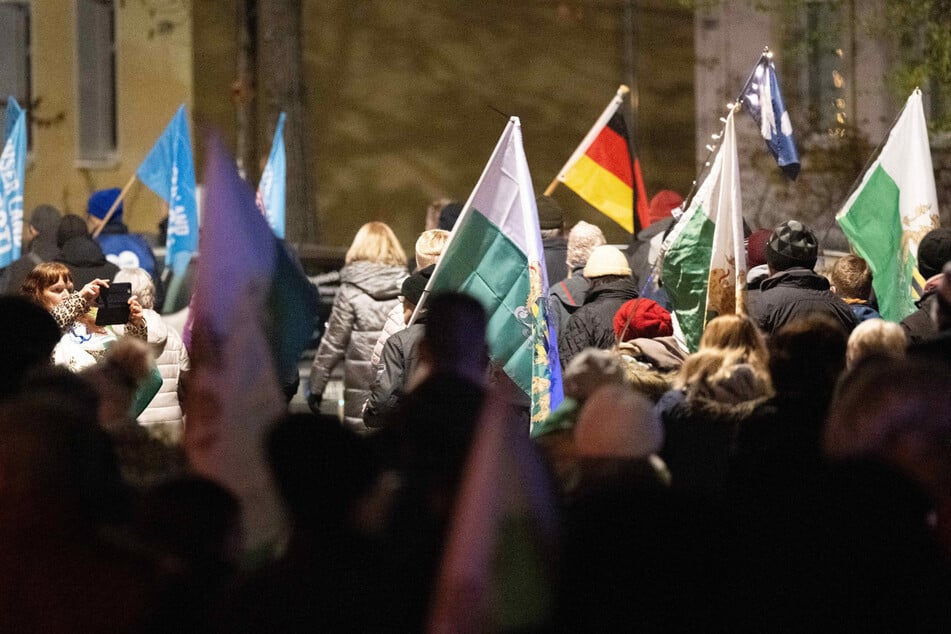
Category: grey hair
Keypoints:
(582, 240)
(142, 286)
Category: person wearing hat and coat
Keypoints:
(400, 355)
(793, 289)
(592, 325)
(551, 222)
(41, 230)
(934, 252)
(126, 250)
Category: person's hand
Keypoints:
(90, 292)
(313, 402)
(135, 312)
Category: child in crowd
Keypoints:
(851, 280)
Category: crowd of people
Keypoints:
(792, 473)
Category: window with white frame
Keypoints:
(96, 80)
(15, 53)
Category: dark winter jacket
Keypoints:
(568, 295)
(42, 249)
(397, 363)
(795, 293)
(556, 254)
(85, 260)
(368, 291)
(919, 326)
(700, 430)
(592, 325)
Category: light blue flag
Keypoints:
(765, 104)
(273, 186)
(12, 167)
(169, 171)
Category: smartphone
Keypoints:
(113, 304)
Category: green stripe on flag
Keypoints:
(873, 227)
(686, 271)
(483, 262)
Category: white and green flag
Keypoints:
(495, 255)
(892, 209)
(704, 266)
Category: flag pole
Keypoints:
(115, 205)
(731, 106)
(588, 139)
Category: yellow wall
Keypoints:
(153, 77)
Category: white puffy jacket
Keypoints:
(171, 358)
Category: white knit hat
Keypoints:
(606, 260)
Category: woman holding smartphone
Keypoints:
(84, 342)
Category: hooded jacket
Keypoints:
(794, 293)
(129, 250)
(368, 291)
(86, 261)
(592, 325)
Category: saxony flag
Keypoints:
(704, 266)
(495, 255)
(892, 209)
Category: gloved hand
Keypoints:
(313, 402)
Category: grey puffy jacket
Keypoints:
(368, 291)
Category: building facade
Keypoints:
(99, 79)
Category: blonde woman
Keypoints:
(375, 266)
(714, 392)
(429, 246)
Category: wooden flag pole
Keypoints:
(622, 91)
(115, 205)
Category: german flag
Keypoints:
(605, 171)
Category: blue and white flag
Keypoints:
(169, 171)
(12, 168)
(273, 186)
(765, 104)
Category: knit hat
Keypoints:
(616, 422)
(792, 244)
(550, 213)
(45, 219)
(415, 284)
(100, 203)
(642, 318)
(756, 247)
(662, 203)
(934, 251)
(590, 369)
(448, 216)
(606, 260)
(70, 226)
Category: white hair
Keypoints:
(583, 238)
(142, 286)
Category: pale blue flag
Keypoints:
(12, 168)
(169, 171)
(273, 186)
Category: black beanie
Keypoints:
(792, 244)
(448, 216)
(415, 284)
(934, 251)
